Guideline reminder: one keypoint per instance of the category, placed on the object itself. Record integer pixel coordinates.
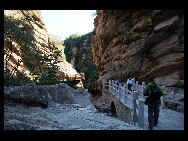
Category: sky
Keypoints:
(63, 23)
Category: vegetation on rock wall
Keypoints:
(83, 56)
(14, 33)
(18, 39)
(37, 53)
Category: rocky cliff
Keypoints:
(78, 53)
(40, 56)
(140, 43)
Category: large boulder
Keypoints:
(45, 96)
(30, 94)
(64, 94)
(174, 99)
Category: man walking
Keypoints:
(154, 92)
(130, 82)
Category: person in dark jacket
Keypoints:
(117, 84)
(153, 106)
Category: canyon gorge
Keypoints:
(136, 43)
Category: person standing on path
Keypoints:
(154, 92)
(129, 83)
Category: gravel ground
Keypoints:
(60, 117)
(168, 120)
(69, 110)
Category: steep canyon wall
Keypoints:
(140, 43)
(30, 23)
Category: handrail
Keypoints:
(136, 98)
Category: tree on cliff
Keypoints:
(83, 57)
(19, 41)
(15, 34)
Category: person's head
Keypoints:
(151, 79)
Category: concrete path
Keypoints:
(168, 119)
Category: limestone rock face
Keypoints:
(37, 29)
(140, 43)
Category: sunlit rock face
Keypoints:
(37, 29)
(140, 43)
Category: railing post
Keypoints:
(120, 85)
(141, 113)
(136, 94)
(136, 85)
(135, 117)
(115, 86)
(109, 86)
(112, 86)
(133, 86)
(103, 84)
(163, 97)
(143, 86)
(125, 96)
(122, 92)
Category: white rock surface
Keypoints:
(60, 117)
(75, 112)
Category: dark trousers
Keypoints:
(129, 87)
(153, 114)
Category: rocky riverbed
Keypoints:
(65, 109)
(60, 107)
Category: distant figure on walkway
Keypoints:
(154, 92)
(117, 82)
(130, 83)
